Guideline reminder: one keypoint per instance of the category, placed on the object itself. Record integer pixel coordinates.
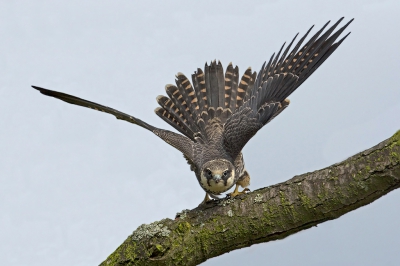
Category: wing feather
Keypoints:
(181, 143)
(95, 106)
(277, 79)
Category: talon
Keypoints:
(236, 192)
(206, 200)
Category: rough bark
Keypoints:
(265, 214)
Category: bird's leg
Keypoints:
(237, 192)
(206, 199)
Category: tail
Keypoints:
(214, 95)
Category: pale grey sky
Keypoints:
(75, 183)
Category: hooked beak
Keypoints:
(217, 178)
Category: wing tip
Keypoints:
(341, 40)
(38, 88)
(43, 90)
(348, 23)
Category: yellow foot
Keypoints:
(236, 192)
(206, 199)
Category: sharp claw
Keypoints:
(237, 192)
(206, 200)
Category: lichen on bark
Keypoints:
(265, 214)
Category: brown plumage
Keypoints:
(219, 114)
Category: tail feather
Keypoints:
(243, 86)
(208, 85)
(178, 100)
(228, 85)
(214, 92)
(221, 85)
(235, 80)
(170, 119)
(200, 88)
(215, 82)
(189, 95)
(173, 112)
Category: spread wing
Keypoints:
(178, 141)
(95, 106)
(276, 81)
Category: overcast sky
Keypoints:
(75, 182)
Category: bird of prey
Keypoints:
(217, 114)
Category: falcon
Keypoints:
(217, 114)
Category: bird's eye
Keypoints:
(225, 173)
(208, 172)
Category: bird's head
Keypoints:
(217, 176)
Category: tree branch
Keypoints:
(265, 214)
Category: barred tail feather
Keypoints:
(171, 112)
(221, 85)
(178, 100)
(234, 91)
(228, 85)
(189, 97)
(170, 119)
(243, 86)
(200, 88)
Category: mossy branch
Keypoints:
(266, 214)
